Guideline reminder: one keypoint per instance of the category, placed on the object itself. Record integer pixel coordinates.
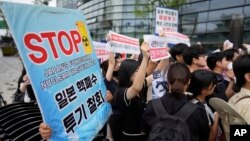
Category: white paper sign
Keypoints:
(166, 19)
(101, 53)
(123, 44)
(176, 37)
(158, 47)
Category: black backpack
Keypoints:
(170, 127)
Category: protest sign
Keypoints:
(159, 86)
(123, 44)
(101, 52)
(166, 19)
(158, 47)
(56, 50)
(176, 37)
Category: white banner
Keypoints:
(176, 37)
(166, 19)
(122, 44)
(158, 47)
(100, 50)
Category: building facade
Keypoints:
(116, 15)
(206, 21)
(209, 21)
(71, 4)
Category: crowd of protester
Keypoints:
(192, 75)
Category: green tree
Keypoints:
(4, 24)
(142, 8)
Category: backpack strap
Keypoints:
(244, 97)
(186, 110)
(158, 107)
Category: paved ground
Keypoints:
(10, 70)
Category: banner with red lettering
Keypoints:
(158, 47)
(176, 37)
(58, 55)
(166, 19)
(123, 44)
(101, 52)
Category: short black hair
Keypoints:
(229, 53)
(193, 52)
(118, 55)
(178, 76)
(201, 79)
(213, 58)
(241, 66)
(126, 70)
(178, 49)
(104, 66)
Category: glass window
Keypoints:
(200, 28)
(129, 34)
(187, 29)
(117, 22)
(88, 16)
(108, 9)
(80, 7)
(195, 7)
(108, 3)
(188, 18)
(103, 24)
(129, 1)
(100, 12)
(128, 23)
(247, 11)
(195, 0)
(141, 23)
(128, 29)
(221, 26)
(198, 38)
(192, 18)
(217, 4)
(95, 1)
(140, 35)
(224, 14)
(246, 38)
(210, 47)
(101, 5)
(217, 37)
(100, 18)
(95, 7)
(128, 8)
(117, 29)
(87, 10)
(113, 9)
(93, 25)
(113, 16)
(128, 15)
(247, 24)
(117, 9)
(142, 29)
(247, 1)
(117, 2)
(94, 14)
(105, 31)
(152, 22)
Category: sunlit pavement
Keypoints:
(10, 70)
